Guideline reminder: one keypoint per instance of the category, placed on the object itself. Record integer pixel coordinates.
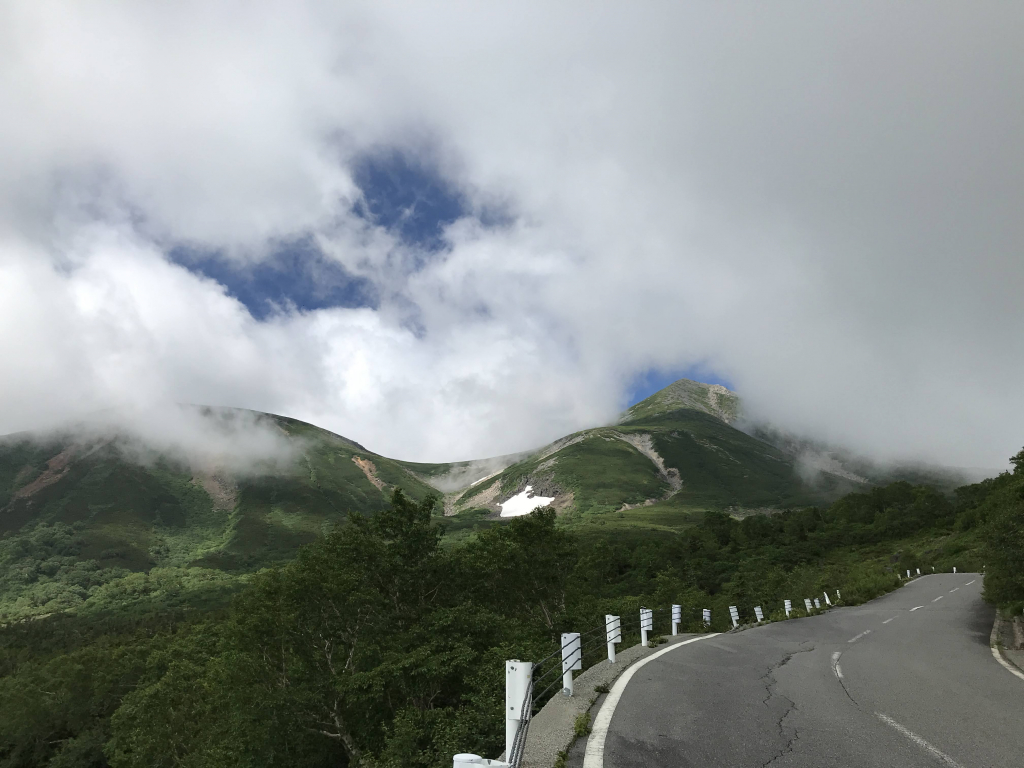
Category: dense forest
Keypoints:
(383, 645)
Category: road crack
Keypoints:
(789, 735)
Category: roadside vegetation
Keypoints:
(380, 645)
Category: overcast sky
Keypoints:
(449, 230)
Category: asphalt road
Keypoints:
(905, 680)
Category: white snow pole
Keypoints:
(677, 618)
(572, 658)
(758, 614)
(827, 601)
(734, 614)
(613, 632)
(517, 683)
(707, 617)
(808, 604)
(646, 624)
(788, 605)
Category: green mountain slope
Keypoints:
(81, 514)
(669, 456)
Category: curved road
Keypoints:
(905, 680)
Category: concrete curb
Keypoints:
(551, 729)
(1012, 660)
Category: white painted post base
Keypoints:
(613, 633)
(517, 682)
(646, 624)
(466, 760)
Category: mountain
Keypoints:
(95, 516)
(669, 456)
(83, 511)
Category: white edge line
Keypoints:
(1009, 667)
(935, 751)
(594, 756)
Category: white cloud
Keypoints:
(822, 204)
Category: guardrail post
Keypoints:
(613, 631)
(572, 658)
(758, 614)
(734, 614)
(808, 604)
(646, 624)
(677, 618)
(518, 675)
(788, 605)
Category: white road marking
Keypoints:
(858, 637)
(954, 589)
(1009, 667)
(916, 607)
(835, 664)
(935, 751)
(594, 756)
(970, 582)
(937, 599)
(888, 620)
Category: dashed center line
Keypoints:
(916, 607)
(888, 620)
(937, 599)
(858, 637)
(970, 582)
(954, 589)
(935, 751)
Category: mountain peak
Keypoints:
(713, 399)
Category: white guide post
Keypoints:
(572, 659)
(808, 604)
(827, 601)
(677, 618)
(918, 571)
(517, 683)
(788, 605)
(734, 614)
(838, 596)
(817, 603)
(613, 631)
(758, 614)
(707, 617)
(954, 569)
(908, 573)
(646, 624)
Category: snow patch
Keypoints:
(524, 503)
